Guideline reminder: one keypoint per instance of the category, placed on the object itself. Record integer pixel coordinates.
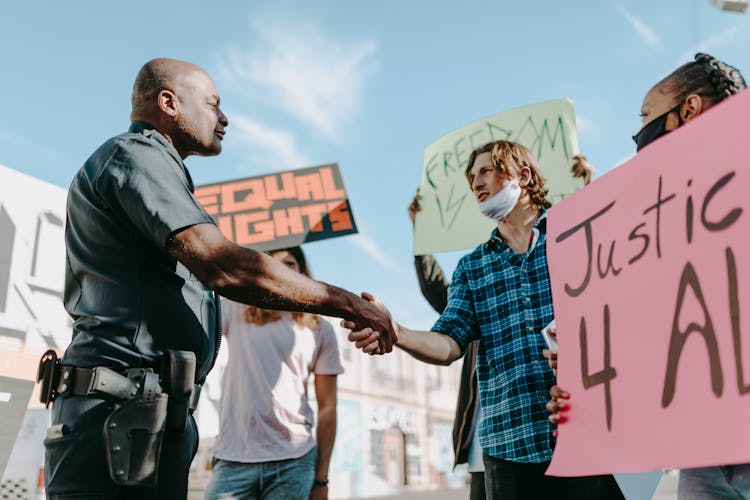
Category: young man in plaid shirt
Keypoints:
(500, 295)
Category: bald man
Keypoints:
(144, 264)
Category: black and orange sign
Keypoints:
(282, 209)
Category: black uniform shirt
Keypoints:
(128, 297)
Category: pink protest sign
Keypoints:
(650, 270)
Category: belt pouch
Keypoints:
(133, 436)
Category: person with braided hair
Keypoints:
(677, 99)
(684, 94)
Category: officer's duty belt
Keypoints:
(109, 384)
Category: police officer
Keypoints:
(143, 258)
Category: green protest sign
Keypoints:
(449, 219)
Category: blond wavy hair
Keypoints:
(510, 157)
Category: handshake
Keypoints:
(431, 347)
(375, 333)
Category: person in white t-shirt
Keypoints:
(265, 447)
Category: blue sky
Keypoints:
(367, 84)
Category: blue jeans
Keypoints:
(715, 483)
(279, 479)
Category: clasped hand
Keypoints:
(368, 339)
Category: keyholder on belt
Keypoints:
(48, 375)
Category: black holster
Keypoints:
(133, 436)
(133, 432)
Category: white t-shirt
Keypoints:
(264, 413)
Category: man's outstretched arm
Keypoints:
(257, 279)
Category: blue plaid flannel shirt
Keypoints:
(504, 300)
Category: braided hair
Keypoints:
(706, 76)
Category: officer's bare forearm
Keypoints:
(255, 278)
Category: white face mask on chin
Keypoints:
(499, 205)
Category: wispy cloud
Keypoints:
(317, 80)
(712, 42)
(276, 148)
(645, 32)
(10, 137)
(586, 126)
(370, 248)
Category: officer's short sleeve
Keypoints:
(145, 185)
(458, 321)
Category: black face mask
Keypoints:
(654, 129)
